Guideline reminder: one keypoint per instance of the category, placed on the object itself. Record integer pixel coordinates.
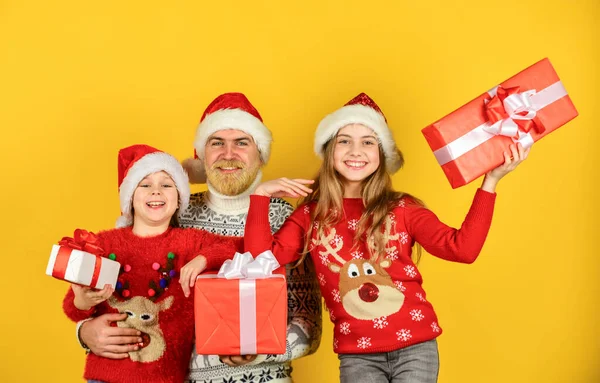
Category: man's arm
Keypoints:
(108, 341)
(304, 298)
(304, 313)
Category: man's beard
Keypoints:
(234, 183)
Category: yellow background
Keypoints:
(80, 79)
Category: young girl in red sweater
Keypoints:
(153, 253)
(360, 233)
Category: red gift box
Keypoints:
(470, 141)
(240, 316)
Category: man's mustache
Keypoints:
(228, 164)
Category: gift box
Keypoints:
(470, 141)
(79, 260)
(242, 310)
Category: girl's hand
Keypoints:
(511, 161)
(284, 187)
(87, 297)
(189, 272)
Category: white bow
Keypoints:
(243, 266)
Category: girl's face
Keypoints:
(356, 154)
(155, 200)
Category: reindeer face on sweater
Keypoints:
(142, 315)
(366, 289)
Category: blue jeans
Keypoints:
(418, 363)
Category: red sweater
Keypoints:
(375, 305)
(166, 320)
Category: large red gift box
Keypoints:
(240, 316)
(470, 141)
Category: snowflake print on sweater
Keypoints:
(410, 270)
(404, 335)
(357, 255)
(400, 286)
(364, 342)
(380, 323)
(345, 328)
(352, 224)
(416, 315)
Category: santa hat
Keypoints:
(360, 110)
(228, 111)
(138, 161)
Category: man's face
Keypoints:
(231, 160)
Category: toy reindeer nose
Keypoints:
(368, 292)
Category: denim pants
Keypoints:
(414, 364)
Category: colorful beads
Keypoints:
(112, 256)
(155, 266)
(163, 283)
(127, 268)
(171, 255)
(126, 293)
(151, 292)
(172, 273)
(119, 285)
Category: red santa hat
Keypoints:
(360, 110)
(138, 161)
(228, 111)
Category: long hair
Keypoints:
(377, 194)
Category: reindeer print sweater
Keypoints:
(376, 305)
(149, 292)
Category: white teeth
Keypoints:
(356, 164)
(154, 204)
(228, 168)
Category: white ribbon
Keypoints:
(530, 101)
(243, 266)
(248, 270)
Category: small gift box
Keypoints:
(470, 141)
(79, 260)
(242, 310)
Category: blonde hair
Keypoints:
(378, 196)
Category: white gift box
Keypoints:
(81, 267)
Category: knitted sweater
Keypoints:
(376, 305)
(165, 319)
(226, 215)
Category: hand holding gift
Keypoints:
(512, 159)
(86, 297)
(81, 260)
(189, 273)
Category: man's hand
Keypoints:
(109, 341)
(236, 360)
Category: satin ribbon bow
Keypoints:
(512, 114)
(83, 240)
(243, 266)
